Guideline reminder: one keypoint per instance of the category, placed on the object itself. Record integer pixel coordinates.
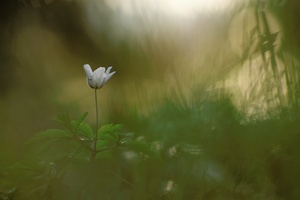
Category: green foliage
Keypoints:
(110, 132)
(84, 131)
(207, 157)
(55, 158)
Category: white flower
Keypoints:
(97, 78)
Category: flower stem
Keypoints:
(94, 151)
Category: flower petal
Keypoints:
(108, 70)
(107, 77)
(88, 70)
(99, 77)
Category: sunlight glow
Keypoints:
(173, 8)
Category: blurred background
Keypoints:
(185, 69)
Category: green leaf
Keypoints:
(109, 132)
(102, 144)
(71, 125)
(140, 147)
(108, 137)
(110, 128)
(86, 130)
(79, 121)
(64, 120)
(43, 141)
(51, 134)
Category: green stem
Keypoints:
(94, 152)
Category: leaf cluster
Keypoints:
(56, 156)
